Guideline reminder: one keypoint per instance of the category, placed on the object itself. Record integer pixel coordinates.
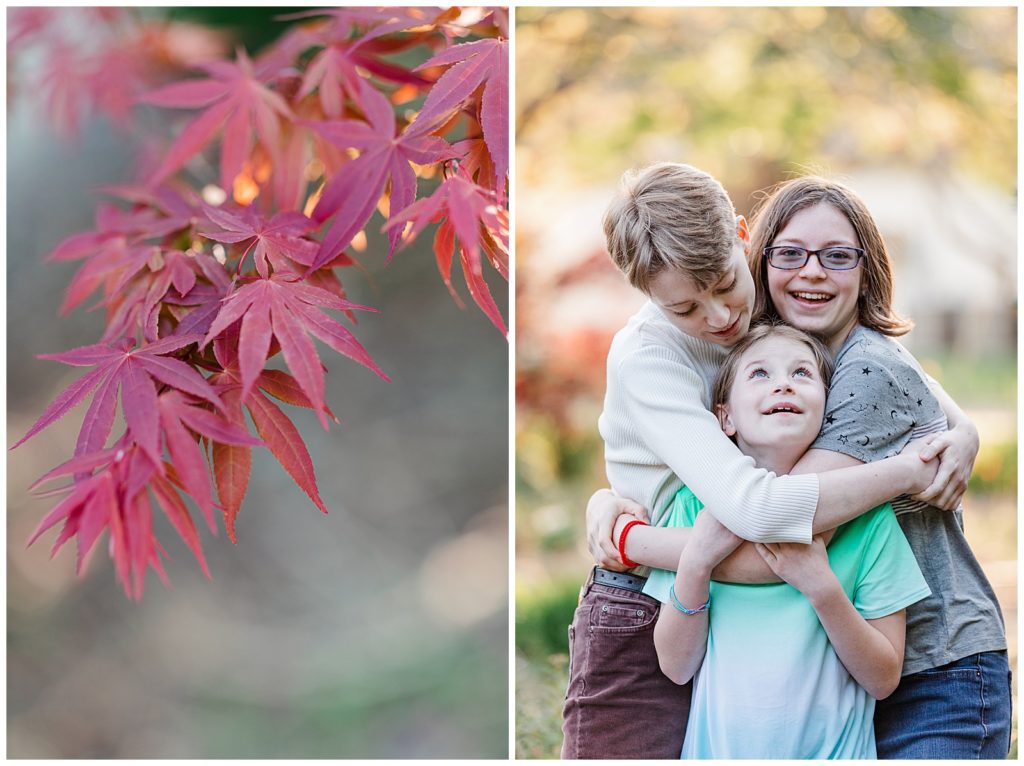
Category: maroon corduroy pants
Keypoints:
(618, 703)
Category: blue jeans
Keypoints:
(960, 710)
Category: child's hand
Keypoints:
(805, 567)
(603, 511)
(710, 542)
(922, 467)
(957, 450)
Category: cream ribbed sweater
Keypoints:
(659, 434)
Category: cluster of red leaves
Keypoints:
(199, 296)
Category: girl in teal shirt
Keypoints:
(792, 669)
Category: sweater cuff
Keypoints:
(791, 517)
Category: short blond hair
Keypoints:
(670, 215)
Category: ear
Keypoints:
(724, 420)
(743, 232)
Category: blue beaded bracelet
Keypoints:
(675, 602)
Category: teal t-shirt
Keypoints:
(771, 685)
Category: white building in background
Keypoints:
(954, 246)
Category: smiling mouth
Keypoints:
(811, 297)
(783, 408)
(728, 330)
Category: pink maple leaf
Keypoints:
(373, 22)
(467, 205)
(233, 95)
(180, 415)
(179, 204)
(232, 463)
(116, 498)
(114, 251)
(269, 241)
(480, 63)
(352, 194)
(467, 209)
(334, 73)
(136, 372)
(284, 308)
(138, 305)
(195, 313)
(150, 304)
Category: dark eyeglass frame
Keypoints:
(768, 254)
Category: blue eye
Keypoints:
(804, 373)
(840, 257)
(760, 372)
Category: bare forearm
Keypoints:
(661, 548)
(846, 493)
(681, 640)
(744, 565)
(868, 655)
(655, 546)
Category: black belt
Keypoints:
(622, 580)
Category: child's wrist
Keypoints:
(824, 589)
(621, 536)
(693, 568)
(620, 524)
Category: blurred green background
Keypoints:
(915, 108)
(380, 630)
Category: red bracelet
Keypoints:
(622, 542)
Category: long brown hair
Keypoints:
(874, 306)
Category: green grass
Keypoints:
(990, 381)
(540, 693)
(543, 617)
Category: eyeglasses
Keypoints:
(833, 258)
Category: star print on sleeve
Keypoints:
(830, 419)
(866, 371)
(843, 439)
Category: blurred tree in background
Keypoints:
(758, 90)
(915, 108)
